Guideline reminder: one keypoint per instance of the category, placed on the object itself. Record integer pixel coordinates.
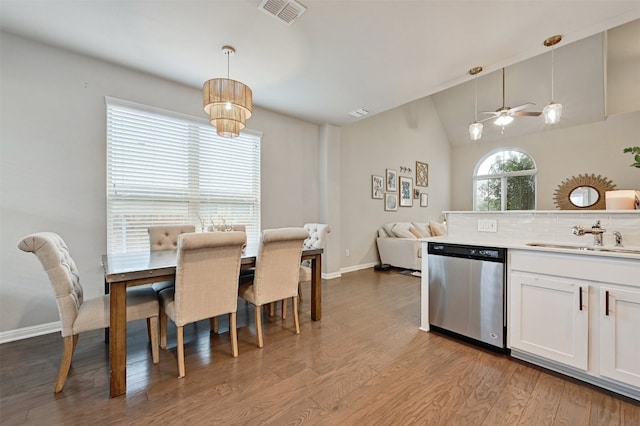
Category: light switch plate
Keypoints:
(487, 225)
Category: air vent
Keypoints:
(285, 11)
(360, 112)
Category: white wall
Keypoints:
(395, 138)
(53, 156)
(559, 154)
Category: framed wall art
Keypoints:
(422, 174)
(392, 180)
(406, 191)
(377, 187)
(390, 201)
(424, 200)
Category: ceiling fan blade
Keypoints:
(489, 118)
(527, 113)
(521, 107)
(489, 112)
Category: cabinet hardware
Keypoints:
(606, 303)
(580, 301)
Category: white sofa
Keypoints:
(399, 243)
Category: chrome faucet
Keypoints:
(596, 230)
(618, 236)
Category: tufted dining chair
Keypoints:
(276, 273)
(165, 237)
(76, 313)
(206, 285)
(317, 237)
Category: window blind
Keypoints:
(164, 168)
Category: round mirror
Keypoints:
(582, 192)
(584, 196)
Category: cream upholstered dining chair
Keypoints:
(245, 274)
(206, 285)
(76, 313)
(165, 237)
(276, 273)
(317, 237)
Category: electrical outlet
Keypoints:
(487, 225)
(347, 252)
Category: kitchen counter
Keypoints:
(567, 248)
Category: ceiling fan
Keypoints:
(504, 115)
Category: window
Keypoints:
(164, 168)
(505, 180)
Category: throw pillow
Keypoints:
(422, 228)
(438, 229)
(415, 232)
(401, 230)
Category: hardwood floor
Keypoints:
(365, 363)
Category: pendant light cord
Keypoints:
(476, 104)
(552, 79)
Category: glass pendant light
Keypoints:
(553, 111)
(475, 128)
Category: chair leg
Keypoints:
(233, 331)
(300, 291)
(65, 363)
(180, 348)
(163, 329)
(284, 309)
(148, 329)
(295, 314)
(272, 309)
(153, 336)
(259, 325)
(214, 324)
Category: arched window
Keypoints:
(505, 180)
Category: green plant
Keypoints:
(635, 150)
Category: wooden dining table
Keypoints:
(133, 269)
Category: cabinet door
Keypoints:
(549, 318)
(620, 334)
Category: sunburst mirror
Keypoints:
(582, 192)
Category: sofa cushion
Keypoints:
(382, 233)
(422, 228)
(388, 228)
(401, 230)
(438, 229)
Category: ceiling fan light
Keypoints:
(552, 113)
(503, 120)
(475, 131)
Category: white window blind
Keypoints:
(167, 169)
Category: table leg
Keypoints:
(106, 330)
(316, 288)
(118, 339)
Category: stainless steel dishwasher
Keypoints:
(467, 292)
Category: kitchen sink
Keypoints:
(586, 248)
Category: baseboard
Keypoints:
(357, 267)
(331, 275)
(27, 332)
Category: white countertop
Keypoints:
(580, 249)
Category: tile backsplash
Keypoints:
(546, 226)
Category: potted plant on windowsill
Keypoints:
(635, 151)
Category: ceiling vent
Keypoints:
(360, 112)
(286, 11)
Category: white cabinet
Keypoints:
(578, 315)
(550, 318)
(619, 321)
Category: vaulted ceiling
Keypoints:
(338, 55)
